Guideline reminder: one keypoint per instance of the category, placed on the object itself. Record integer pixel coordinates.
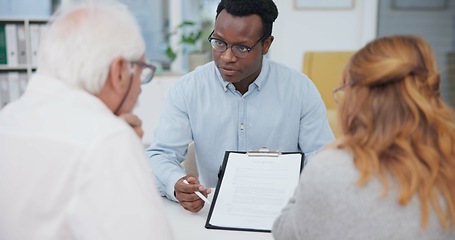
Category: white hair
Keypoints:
(84, 38)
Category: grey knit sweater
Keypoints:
(328, 204)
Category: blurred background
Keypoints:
(176, 34)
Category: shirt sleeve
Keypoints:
(170, 144)
(315, 131)
(115, 193)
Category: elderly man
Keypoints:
(70, 168)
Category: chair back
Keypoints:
(325, 69)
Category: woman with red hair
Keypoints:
(391, 175)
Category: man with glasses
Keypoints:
(70, 166)
(241, 101)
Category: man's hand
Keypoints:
(186, 196)
(134, 122)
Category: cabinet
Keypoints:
(19, 41)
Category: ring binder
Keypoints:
(263, 152)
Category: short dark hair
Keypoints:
(266, 9)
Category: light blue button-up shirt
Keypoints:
(282, 110)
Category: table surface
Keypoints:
(187, 225)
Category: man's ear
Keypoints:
(116, 84)
(117, 78)
(267, 44)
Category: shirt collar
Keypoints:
(260, 81)
(42, 84)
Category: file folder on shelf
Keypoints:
(3, 52)
(11, 45)
(21, 45)
(4, 89)
(35, 36)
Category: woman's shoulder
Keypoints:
(334, 149)
(331, 159)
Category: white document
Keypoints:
(43, 31)
(254, 190)
(14, 86)
(23, 80)
(4, 89)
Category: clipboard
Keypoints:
(249, 193)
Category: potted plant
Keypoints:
(188, 40)
(189, 43)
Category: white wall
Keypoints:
(299, 30)
(151, 102)
(25, 8)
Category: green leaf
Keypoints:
(191, 38)
(170, 54)
(185, 23)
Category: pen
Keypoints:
(199, 194)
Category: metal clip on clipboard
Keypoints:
(263, 152)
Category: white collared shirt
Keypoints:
(70, 169)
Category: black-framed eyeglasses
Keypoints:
(147, 72)
(240, 51)
(338, 93)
